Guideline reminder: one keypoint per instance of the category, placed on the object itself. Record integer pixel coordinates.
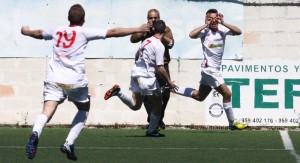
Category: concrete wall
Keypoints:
(269, 32)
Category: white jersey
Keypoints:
(213, 44)
(67, 65)
(151, 54)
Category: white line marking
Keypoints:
(139, 148)
(288, 145)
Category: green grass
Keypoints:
(130, 145)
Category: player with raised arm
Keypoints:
(213, 34)
(66, 74)
(143, 80)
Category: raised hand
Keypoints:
(25, 30)
(145, 27)
(220, 18)
(207, 20)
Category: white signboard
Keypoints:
(264, 93)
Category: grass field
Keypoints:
(130, 145)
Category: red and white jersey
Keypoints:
(151, 54)
(67, 63)
(213, 44)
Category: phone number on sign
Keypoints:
(270, 120)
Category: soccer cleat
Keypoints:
(155, 133)
(32, 145)
(238, 126)
(69, 150)
(112, 92)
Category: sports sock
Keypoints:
(77, 125)
(228, 110)
(154, 119)
(184, 91)
(40, 123)
(126, 99)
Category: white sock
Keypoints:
(77, 125)
(228, 110)
(126, 99)
(40, 123)
(154, 119)
(184, 91)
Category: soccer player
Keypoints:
(143, 81)
(213, 34)
(66, 74)
(168, 42)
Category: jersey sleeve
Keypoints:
(203, 33)
(160, 50)
(94, 33)
(227, 31)
(48, 34)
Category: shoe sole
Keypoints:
(108, 94)
(31, 150)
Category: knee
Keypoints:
(227, 96)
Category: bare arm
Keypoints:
(168, 38)
(194, 34)
(38, 34)
(161, 70)
(136, 37)
(120, 32)
(235, 30)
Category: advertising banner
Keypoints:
(264, 93)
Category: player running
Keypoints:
(143, 80)
(213, 36)
(66, 74)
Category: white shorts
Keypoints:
(145, 86)
(57, 92)
(211, 77)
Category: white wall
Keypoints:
(269, 32)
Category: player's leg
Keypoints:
(41, 120)
(154, 116)
(226, 93)
(80, 97)
(52, 97)
(151, 88)
(49, 109)
(165, 96)
(199, 95)
(227, 105)
(133, 101)
(165, 100)
(148, 107)
(202, 92)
